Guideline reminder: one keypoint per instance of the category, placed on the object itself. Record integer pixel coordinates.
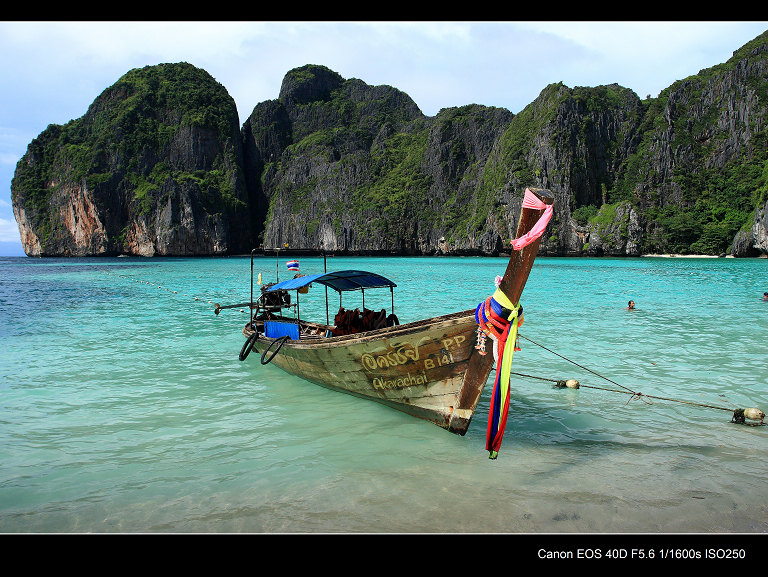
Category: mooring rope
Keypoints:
(201, 299)
(578, 365)
(634, 395)
(738, 414)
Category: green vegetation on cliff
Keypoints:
(686, 175)
(142, 138)
(336, 162)
(396, 192)
(714, 122)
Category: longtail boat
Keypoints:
(434, 369)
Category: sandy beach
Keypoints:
(673, 255)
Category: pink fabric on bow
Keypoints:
(531, 201)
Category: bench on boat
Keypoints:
(347, 322)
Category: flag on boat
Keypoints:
(293, 265)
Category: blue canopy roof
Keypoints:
(346, 280)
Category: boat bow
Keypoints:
(534, 216)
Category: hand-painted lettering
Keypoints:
(451, 342)
(398, 356)
(401, 382)
(440, 360)
(405, 353)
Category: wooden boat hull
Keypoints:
(420, 368)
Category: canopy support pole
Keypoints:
(250, 306)
(325, 270)
(277, 264)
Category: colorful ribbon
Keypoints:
(503, 331)
(492, 322)
(530, 200)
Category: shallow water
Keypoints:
(124, 407)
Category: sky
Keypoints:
(50, 72)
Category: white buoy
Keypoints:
(572, 384)
(754, 414)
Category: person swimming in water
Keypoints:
(631, 305)
(765, 296)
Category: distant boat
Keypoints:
(434, 369)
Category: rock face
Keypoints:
(575, 142)
(681, 173)
(349, 167)
(158, 166)
(753, 240)
(699, 170)
(153, 168)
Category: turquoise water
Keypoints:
(124, 407)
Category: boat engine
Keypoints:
(274, 301)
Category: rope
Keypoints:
(578, 365)
(738, 414)
(634, 395)
(201, 299)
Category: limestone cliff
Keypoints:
(159, 166)
(698, 176)
(153, 168)
(574, 142)
(344, 166)
(350, 167)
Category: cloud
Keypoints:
(646, 57)
(9, 231)
(438, 64)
